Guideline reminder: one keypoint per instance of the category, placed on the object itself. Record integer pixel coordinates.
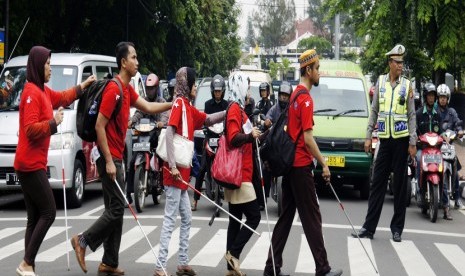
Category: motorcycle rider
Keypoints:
(264, 104)
(428, 120)
(151, 88)
(449, 116)
(216, 104)
(171, 85)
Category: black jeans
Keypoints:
(299, 193)
(41, 211)
(205, 166)
(238, 236)
(107, 229)
(392, 154)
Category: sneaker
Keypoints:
(459, 204)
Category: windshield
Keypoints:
(13, 79)
(254, 90)
(203, 95)
(343, 96)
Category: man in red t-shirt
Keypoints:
(111, 132)
(298, 185)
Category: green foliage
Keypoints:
(320, 44)
(167, 34)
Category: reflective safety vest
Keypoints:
(392, 117)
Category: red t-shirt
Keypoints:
(236, 118)
(301, 119)
(35, 112)
(195, 120)
(116, 127)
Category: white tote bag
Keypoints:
(183, 147)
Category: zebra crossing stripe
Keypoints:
(148, 257)
(18, 246)
(305, 262)
(213, 252)
(454, 254)
(5, 233)
(412, 260)
(359, 263)
(127, 240)
(55, 252)
(258, 254)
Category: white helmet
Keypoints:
(443, 90)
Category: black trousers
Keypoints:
(392, 154)
(107, 229)
(41, 211)
(238, 236)
(205, 165)
(299, 193)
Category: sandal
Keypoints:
(194, 205)
(185, 270)
(161, 273)
(233, 262)
(20, 272)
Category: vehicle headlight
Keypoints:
(68, 141)
(358, 144)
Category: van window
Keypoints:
(14, 78)
(86, 72)
(339, 95)
(114, 71)
(102, 72)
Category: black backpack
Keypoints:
(278, 149)
(89, 106)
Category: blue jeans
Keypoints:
(176, 200)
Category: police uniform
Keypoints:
(393, 109)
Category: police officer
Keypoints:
(393, 109)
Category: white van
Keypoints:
(68, 70)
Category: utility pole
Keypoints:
(336, 36)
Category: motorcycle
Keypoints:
(450, 161)
(212, 190)
(148, 176)
(431, 174)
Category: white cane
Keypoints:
(64, 193)
(266, 206)
(140, 226)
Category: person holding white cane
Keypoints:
(36, 125)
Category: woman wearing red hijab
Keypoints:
(36, 124)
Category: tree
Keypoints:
(314, 42)
(275, 20)
(250, 39)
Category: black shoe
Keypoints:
(363, 233)
(396, 237)
(336, 272)
(278, 273)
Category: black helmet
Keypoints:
(285, 88)
(264, 86)
(429, 88)
(218, 83)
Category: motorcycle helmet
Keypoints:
(151, 86)
(443, 90)
(171, 85)
(429, 88)
(285, 87)
(218, 83)
(264, 86)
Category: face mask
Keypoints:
(283, 104)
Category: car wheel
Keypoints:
(75, 194)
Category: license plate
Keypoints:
(12, 179)
(144, 146)
(213, 142)
(335, 161)
(432, 158)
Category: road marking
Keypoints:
(411, 258)
(18, 246)
(5, 233)
(454, 254)
(173, 247)
(258, 254)
(360, 265)
(127, 240)
(95, 210)
(213, 252)
(55, 252)
(305, 263)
